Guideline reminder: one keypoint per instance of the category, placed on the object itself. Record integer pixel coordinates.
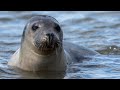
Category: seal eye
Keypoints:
(57, 27)
(35, 27)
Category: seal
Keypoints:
(43, 48)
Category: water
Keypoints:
(98, 30)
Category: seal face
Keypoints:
(44, 33)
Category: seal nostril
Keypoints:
(50, 35)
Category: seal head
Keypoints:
(44, 33)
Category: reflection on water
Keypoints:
(98, 30)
